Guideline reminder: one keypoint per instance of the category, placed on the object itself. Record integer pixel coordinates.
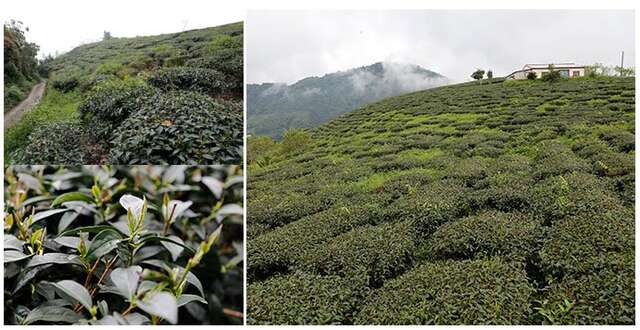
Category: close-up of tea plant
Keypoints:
(115, 245)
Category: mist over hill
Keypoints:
(273, 108)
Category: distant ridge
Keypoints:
(273, 108)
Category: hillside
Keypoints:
(173, 98)
(497, 203)
(273, 108)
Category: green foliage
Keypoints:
(206, 81)
(551, 76)
(519, 200)
(379, 252)
(513, 236)
(453, 292)
(532, 76)
(303, 299)
(478, 74)
(20, 64)
(58, 142)
(118, 245)
(180, 128)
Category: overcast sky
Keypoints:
(62, 25)
(285, 46)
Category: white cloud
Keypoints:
(285, 46)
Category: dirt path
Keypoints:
(14, 116)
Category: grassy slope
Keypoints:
(538, 175)
(121, 57)
(55, 106)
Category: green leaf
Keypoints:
(126, 280)
(148, 239)
(12, 243)
(68, 241)
(25, 277)
(51, 314)
(104, 242)
(162, 304)
(13, 256)
(54, 258)
(175, 249)
(36, 199)
(187, 298)
(74, 292)
(71, 196)
(66, 220)
(88, 229)
(43, 215)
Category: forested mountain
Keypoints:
(273, 108)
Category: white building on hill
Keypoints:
(567, 70)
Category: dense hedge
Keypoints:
(206, 81)
(453, 292)
(56, 143)
(513, 236)
(539, 175)
(180, 128)
(379, 252)
(303, 298)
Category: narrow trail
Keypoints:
(15, 114)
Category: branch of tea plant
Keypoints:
(88, 279)
(231, 312)
(104, 273)
(167, 222)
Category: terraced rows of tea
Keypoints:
(497, 203)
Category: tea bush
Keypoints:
(206, 81)
(379, 252)
(302, 298)
(180, 128)
(518, 197)
(452, 292)
(513, 236)
(123, 245)
(59, 142)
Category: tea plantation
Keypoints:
(503, 202)
(166, 99)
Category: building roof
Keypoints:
(555, 65)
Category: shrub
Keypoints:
(58, 143)
(180, 128)
(554, 158)
(572, 194)
(514, 236)
(118, 245)
(452, 292)
(110, 104)
(65, 81)
(295, 141)
(532, 76)
(604, 297)
(581, 245)
(379, 252)
(206, 81)
(282, 249)
(303, 298)
(228, 61)
(430, 206)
